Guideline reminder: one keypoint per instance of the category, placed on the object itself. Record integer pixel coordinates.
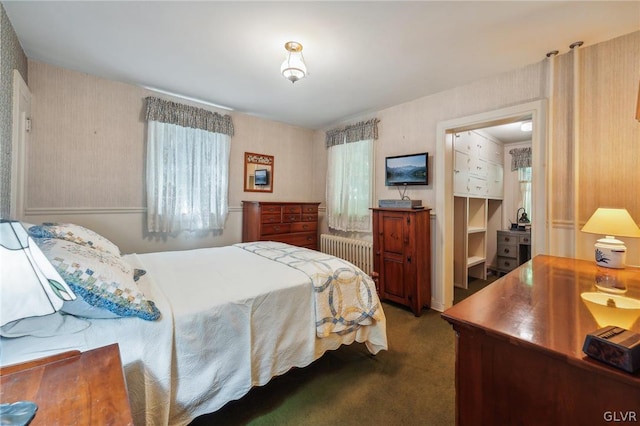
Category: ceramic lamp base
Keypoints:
(611, 253)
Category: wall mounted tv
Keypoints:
(262, 177)
(411, 169)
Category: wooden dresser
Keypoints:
(286, 222)
(71, 388)
(519, 358)
(402, 256)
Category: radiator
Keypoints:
(358, 252)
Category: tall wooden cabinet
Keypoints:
(286, 222)
(402, 256)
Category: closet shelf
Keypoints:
(474, 260)
(474, 229)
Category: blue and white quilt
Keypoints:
(345, 297)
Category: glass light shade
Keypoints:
(29, 284)
(293, 68)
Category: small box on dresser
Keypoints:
(287, 222)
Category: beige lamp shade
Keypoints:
(613, 222)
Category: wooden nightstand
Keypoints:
(73, 388)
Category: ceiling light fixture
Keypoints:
(293, 68)
(526, 126)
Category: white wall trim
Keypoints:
(55, 211)
(44, 211)
(444, 184)
(19, 137)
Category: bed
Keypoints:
(231, 318)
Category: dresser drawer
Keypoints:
(506, 263)
(270, 218)
(304, 226)
(508, 250)
(292, 209)
(307, 239)
(310, 217)
(278, 228)
(271, 209)
(525, 239)
(507, 238)
(308, 208)
(291, 217)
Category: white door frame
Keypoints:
(19, 143)
(444, 182)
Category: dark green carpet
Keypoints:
(410, 384)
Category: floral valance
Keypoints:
(187, 116)
(520, 158)
(356, 132)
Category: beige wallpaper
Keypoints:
(609, 141)
(87, 141)
(11, 57)
(86, 162)
(411, 127)
(560, 142)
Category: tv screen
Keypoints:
(262, 177)
(409, 169)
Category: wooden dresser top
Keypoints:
(540, 305)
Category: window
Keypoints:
(521, 161)
(350, 177)
(524, 177)
(187, 167)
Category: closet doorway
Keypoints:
(447, 203)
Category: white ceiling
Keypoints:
(362, 56)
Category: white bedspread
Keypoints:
(231, 320)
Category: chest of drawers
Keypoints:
(286, 222)
(514, 248)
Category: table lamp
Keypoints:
(609, 251)
(29, 286)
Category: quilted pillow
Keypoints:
(74, 233)
(103, 280)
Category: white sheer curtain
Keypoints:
(350, 186)
(187, 178)
(524, 177)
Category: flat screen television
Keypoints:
(411, 169)
(262, 177)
